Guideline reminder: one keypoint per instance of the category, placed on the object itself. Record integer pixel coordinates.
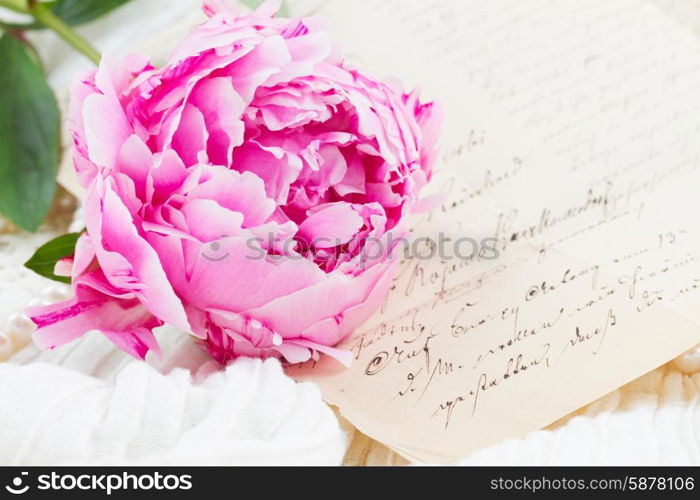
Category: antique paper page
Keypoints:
(570, 156)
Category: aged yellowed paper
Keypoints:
(571, 155)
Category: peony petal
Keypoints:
(80, 89)
(255, 68)
(341, 355)
(330, 331)
(128, 260)
(294, 353)
(106, 128)
(84, 256)
(428, 204)
(137, 343)
(165, 177)
(240, 278)
(239, 192)
(331, 225)
(63, 267)
(135, 160)
(190, 139)
(120, 320)
(354, 180)
(330, 298)
(209, 221)
(214, 7)
(222, 110)
(278, 172)
(306, 52)
(247, 178)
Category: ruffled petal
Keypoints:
(222, 110)
(126, 258)
(239, 192)
(331, 225)
(243, 277)
(126, 322)
(330, 297)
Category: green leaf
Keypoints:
(44, 259)
(29, 137)
(254, 4)
(76, 12)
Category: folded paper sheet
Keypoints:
(564, 260)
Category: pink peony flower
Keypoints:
(235, 192)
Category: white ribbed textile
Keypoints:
(91, 404)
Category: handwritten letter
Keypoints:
(571, 176)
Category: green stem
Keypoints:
(53, 22)
(16, 5)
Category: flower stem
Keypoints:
(16, 5)
(53, 22)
